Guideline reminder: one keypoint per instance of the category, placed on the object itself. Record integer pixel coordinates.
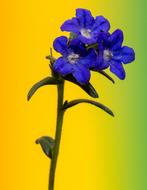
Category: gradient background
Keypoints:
(97, 152)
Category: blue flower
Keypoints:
(75, 59)
(85, 26)
(112, 53)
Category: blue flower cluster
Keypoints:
(93, 47)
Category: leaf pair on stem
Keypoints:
(47, 143)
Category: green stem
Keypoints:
(95, 46)
(60, 114)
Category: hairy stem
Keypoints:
(60, 114)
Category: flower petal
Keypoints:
(116, 39)
(100, 63)
(103, 41)
(116, 67)
(125, 55)
(71, 25)
(77, 47)
(101, 25)
(85, 40)
(60, 45)
(89, 60)
(81, 74)
(85, 18)
(62, 67)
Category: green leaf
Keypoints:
(43, 82)
(72, 36)
(47, 144)
(88, 88)
(105, 75)
(95, 46)
(97, 104)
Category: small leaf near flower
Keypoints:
(75, 102)
(105, 75)
(43, 82)
(88, 88)
(47, 145)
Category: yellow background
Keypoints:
(93, 143)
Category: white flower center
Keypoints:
(86, 33)
(72, 58)
(107, 55)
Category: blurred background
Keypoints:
(97, 151)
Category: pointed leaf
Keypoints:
(88, 88)
(43, 82)
(75, 102)
(106, 75)
(47, 145)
